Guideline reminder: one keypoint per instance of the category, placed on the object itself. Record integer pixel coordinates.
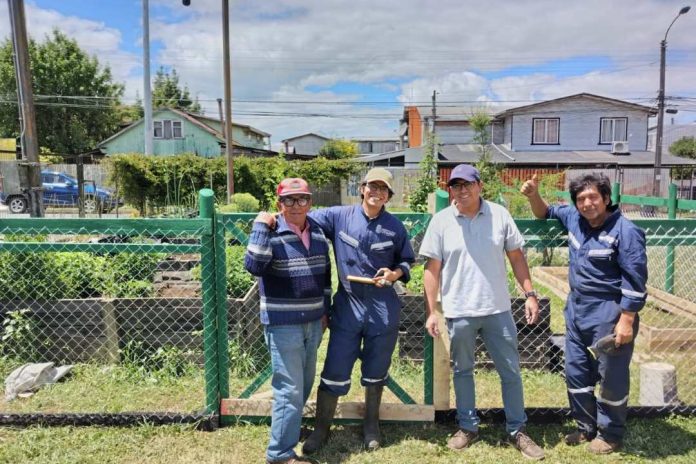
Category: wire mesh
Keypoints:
(119, 300)
(249, 360)
(662, 366)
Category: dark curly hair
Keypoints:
(596, 180)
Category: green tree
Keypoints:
(493, 186)
(338, 149)
(427, 181)
(685, 147)
(166, 93)
(62, 72)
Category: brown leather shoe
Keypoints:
(295, 460)
(602, 446)
(462, 439)
(578, 437)
(526, 446)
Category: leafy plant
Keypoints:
(239, 281)
(243, 363)
(164, 362)
(20, 340)
(427, 181)
(415, 285)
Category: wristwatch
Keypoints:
(530, 294)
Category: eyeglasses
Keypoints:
(462, 185)
(291, 201)
(377, 187)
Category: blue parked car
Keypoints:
(60, 189)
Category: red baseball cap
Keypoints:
(293, 186)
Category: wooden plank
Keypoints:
(673, 336)
(441, 366)
(110, 331)
(672, 303)
(347, 410)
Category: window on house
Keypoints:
(167, 129)
(158, 129)
(176, 130)
(545, 131)
(613, 130)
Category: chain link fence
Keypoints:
(160, 315)
(124, 302)
(250, 368)
(662, 369)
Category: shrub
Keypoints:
(79, 274)
(415, 285)
(129, 275)
(241, 203)
(239, 281)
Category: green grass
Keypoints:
(113, 389)
(671, 440)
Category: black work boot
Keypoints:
(326, 408)
(373, 398)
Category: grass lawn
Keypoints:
(666, 440)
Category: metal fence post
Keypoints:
(209, 282)
(671, 214)
(616, 193)
(222, 309)
(441, 202)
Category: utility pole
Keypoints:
(29, 139)
(222, 117)
(661, 106)
(147, 87)
(434, 109)
(228, 96)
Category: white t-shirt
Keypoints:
(473, 281)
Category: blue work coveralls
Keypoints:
(364, 318)
(608, 274)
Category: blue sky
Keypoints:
(348, 68)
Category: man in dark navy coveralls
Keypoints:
(607, 275)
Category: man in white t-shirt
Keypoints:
(465, 246)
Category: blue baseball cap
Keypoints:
(465, 172)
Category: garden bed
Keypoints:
(668, 322)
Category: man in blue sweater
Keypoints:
(290, 255)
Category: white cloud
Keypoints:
(286, 50)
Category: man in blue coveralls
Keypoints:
(607, 275)
(364, 321)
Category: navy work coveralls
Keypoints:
(362, 312)
(608, 273)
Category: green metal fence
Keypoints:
(159, 315)
(131, 304)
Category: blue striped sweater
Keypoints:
(294, 282)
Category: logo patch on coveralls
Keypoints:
(381, 230)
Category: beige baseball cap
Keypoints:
(379, 174)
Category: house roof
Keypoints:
(450, 112)
(305, 135)
(243, 126)
(374, 139)
(590, 96)
(452, 154)
(194, 119)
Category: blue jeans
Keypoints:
(499, 334)
(293, 351)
